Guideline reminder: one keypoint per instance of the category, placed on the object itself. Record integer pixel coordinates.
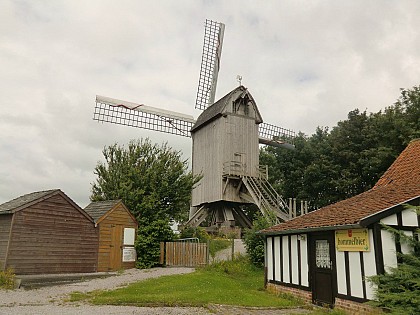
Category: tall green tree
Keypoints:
(337, 163)
(153, 181)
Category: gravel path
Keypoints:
(226, 254)
(50, 300)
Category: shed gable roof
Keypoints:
(27, 200)
(99, 209)
(220, 107)
(399, 184)
(19, 202)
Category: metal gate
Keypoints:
(184, 253)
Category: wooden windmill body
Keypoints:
(225, 149)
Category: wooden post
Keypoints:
(162, 253)
(290, 209)
(233, 248)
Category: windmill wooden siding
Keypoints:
(48, 233)
(224, 132)
(112, 219)
(294, 261)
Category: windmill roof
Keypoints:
(398, 185)
(97, 209)
(219, 108)
(19, 202)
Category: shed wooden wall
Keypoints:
(118, 217)
(5, 221)
(217, 143)
(52, 236)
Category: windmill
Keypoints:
(225, 149)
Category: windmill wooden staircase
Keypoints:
(265, 197)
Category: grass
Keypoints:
(7, 279)
(229, 283)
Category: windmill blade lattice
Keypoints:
(276, 133)
(210, 62)
(141, 116)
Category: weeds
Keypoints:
(7, 279)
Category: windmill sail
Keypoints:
(141, 116)
(210, 63)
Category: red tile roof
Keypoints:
(400, 183)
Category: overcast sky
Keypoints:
(306, 63)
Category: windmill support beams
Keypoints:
(220, 214)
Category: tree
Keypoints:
(332, 165)
(399, 288)
(154, 183)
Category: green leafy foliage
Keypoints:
(154, 184)
(195, 232)
(399, 288)
(148, 241)
(332, 165)
(254, 242)
(152, 180)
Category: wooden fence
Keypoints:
(183, 254)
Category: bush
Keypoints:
(399, 289)
(198, 232)
(149, 236)
(7, 279)
(254, 242)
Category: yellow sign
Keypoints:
(356, 240)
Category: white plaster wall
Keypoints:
(409, 218)
(304, 261)
(341, 272)
(391, 220)
(405, 248)
(294, 254)
(356, 284)
(285, 245)
(370, 266)
(388, 248)
(269, 259)
(277, 258)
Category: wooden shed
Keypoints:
(326, 255)
(117, 233)
(46, 232)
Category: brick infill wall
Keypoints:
(306, 296)
(352, 307)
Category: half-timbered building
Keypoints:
(326, 255)
(47, 232)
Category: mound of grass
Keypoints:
(229, 283)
